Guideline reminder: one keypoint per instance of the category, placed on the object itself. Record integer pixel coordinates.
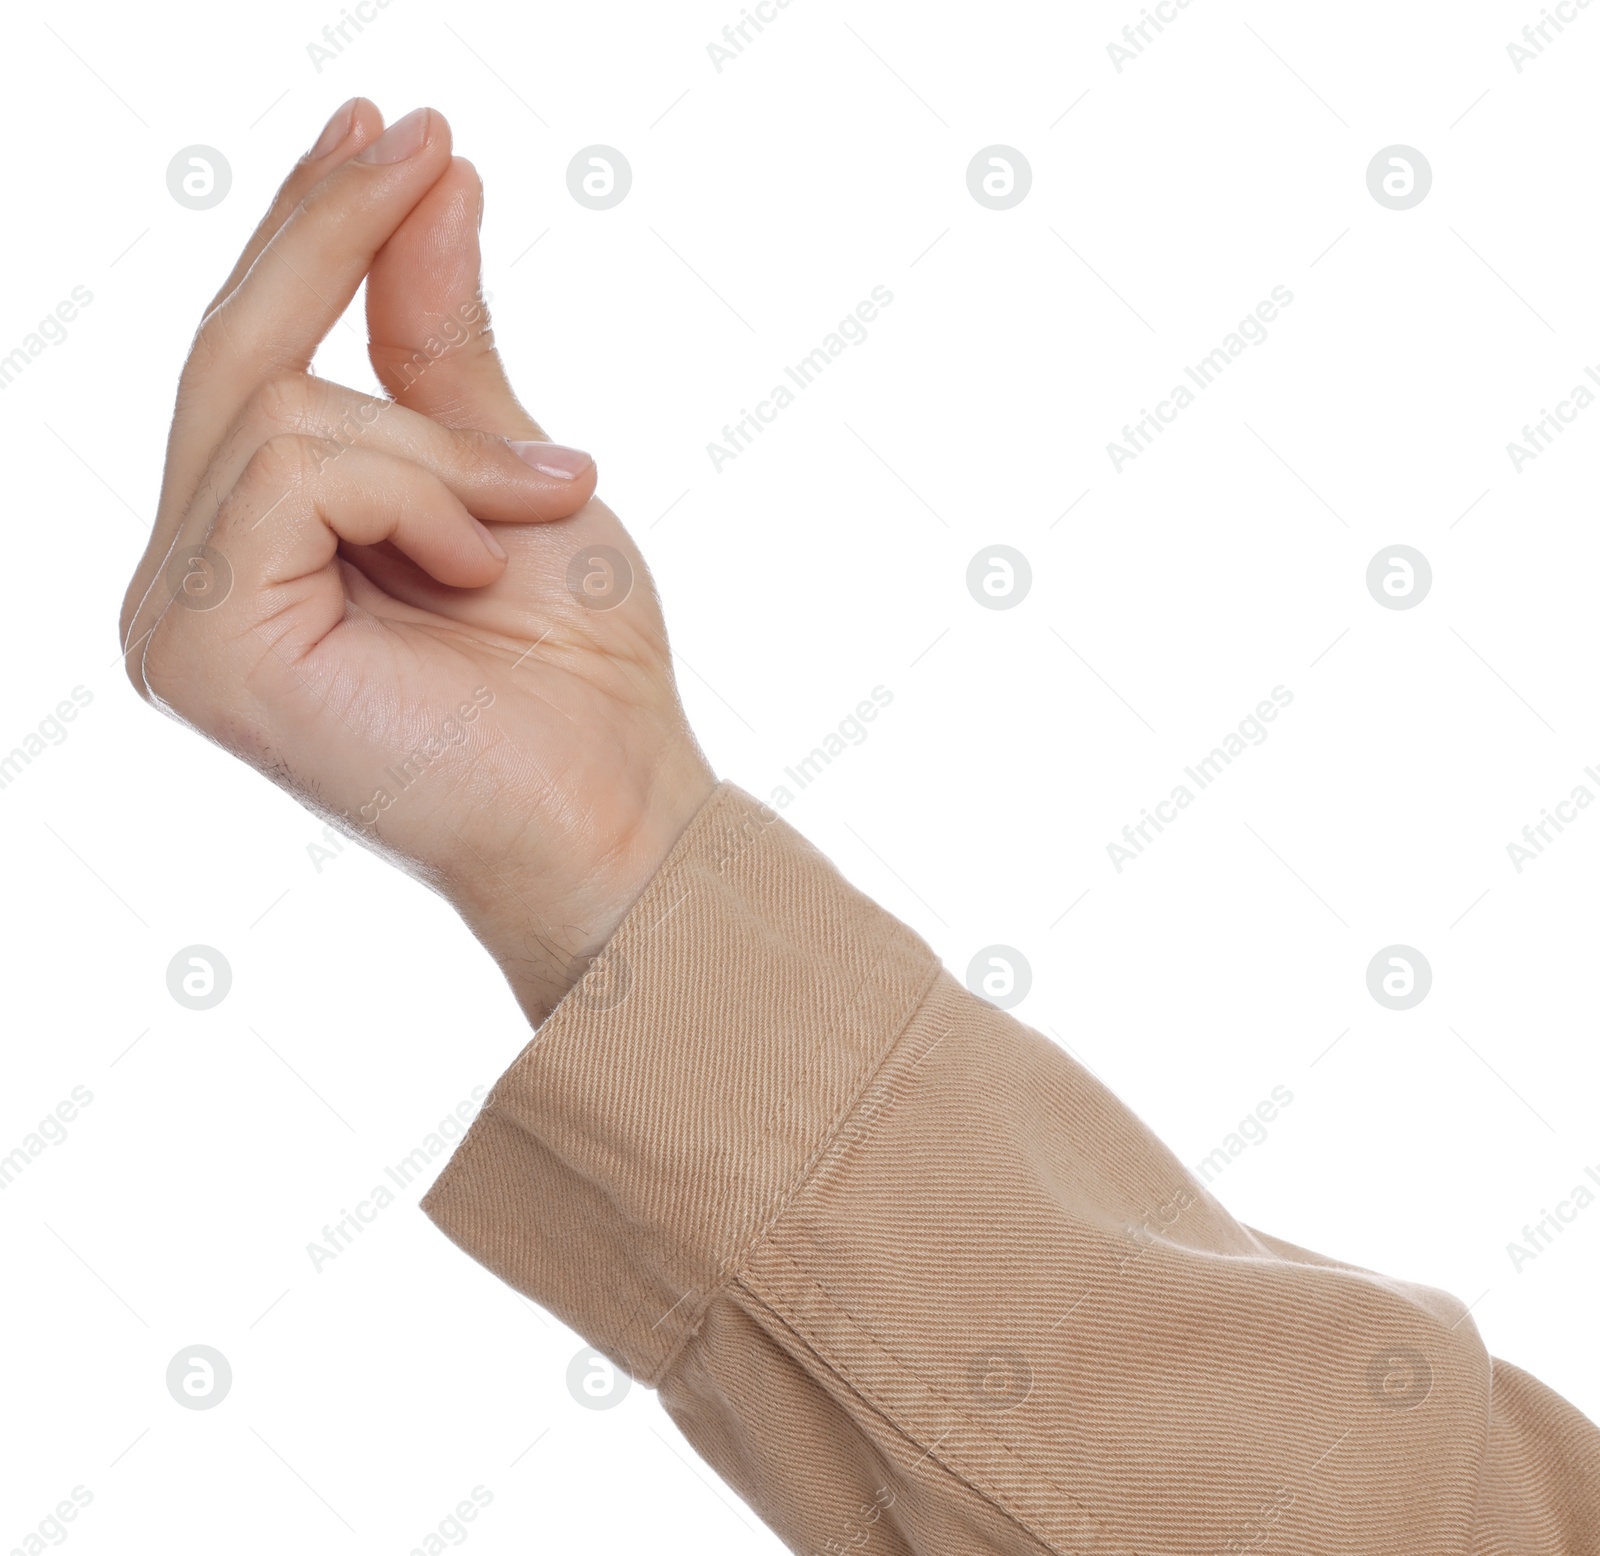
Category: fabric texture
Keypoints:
(912, 1281)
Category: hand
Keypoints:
(397, 608)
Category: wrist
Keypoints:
(545, 918)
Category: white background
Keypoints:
(769, 198)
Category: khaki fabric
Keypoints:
(911, 1280)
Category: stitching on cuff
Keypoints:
(770, 1298)
(748, 1240)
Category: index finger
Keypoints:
(299, 285)
(351, 126)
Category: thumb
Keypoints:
(430, 340)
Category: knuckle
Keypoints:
(284, 400)
(360, 417)
(285, 460)
(210, 343)
(474, 451)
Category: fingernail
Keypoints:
(565, 464)
(334, 131)
(493, 546)
(402, 139)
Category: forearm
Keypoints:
(896, 1263)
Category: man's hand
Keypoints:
(411, 612)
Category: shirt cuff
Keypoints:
(674, 1102)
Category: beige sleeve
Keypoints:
(911, 1280)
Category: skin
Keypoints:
(367, 618)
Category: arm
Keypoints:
(912, 1280)
(905, 1274)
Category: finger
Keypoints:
(278, 532)
(362, 497)
(301, 282)
(486, 472)
(430, 338)
(482, 472)
(353, 125)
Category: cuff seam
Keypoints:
(718, 800)
(962, 1463)
(737, 1260)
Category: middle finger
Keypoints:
(496, 482)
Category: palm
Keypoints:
(556, 686)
